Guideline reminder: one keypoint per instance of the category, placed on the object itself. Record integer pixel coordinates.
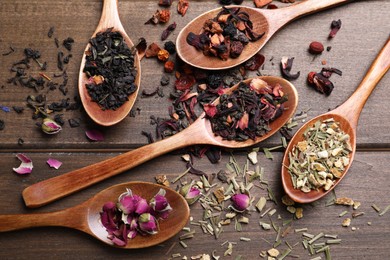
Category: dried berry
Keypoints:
(2, 124)
(169, 66)
(170, 47)
(163, 55)
(316, 48)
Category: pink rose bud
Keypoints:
(240, 201)
(50, 126)
(127, 203)
(159, 202)
(147, 223)
(142, 207)
(190, 192)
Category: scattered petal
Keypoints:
(94, 135)
(26, 166)
(53, 163)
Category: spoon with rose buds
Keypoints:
(86, 216)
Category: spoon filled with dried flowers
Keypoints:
(229, 36)
(110, 71)
(128, 215)
(243, 115)
(322, 150)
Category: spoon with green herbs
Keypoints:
(112, 95)
(199, 132)
(264, 21)
(309, 173)
(86, 216)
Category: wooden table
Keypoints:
(365, 29)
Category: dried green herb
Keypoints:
(321, 158)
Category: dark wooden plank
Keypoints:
(367, 183)
(25, 24)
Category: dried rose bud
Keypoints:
(127, 203)
(160, 204)
(142, 206)
(147, 223)
(190, 192)
(240, 201)
(50, 126)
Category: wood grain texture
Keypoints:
(365, 29)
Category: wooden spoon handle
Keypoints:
(52, 189)
(21, 221)
(284, 15)
(110, 16)
(352, 108)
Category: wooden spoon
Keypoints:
(199, 132)
(109, 18)
(264, 20)
(86, 216)
(347, 115)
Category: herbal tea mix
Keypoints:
(247, 112)
(110, 70)
(320, 159)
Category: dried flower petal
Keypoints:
(53, 163)
(26, 166)
(94, 135)
(286, 65)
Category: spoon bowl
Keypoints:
(86, 216)
(347, 115)
(264, 21)
(108, 117)
(199, 132)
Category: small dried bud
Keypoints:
(316, 48)
(147, 223)
(240, 201)
(160, 204)
(50, 126)
(190, 192)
